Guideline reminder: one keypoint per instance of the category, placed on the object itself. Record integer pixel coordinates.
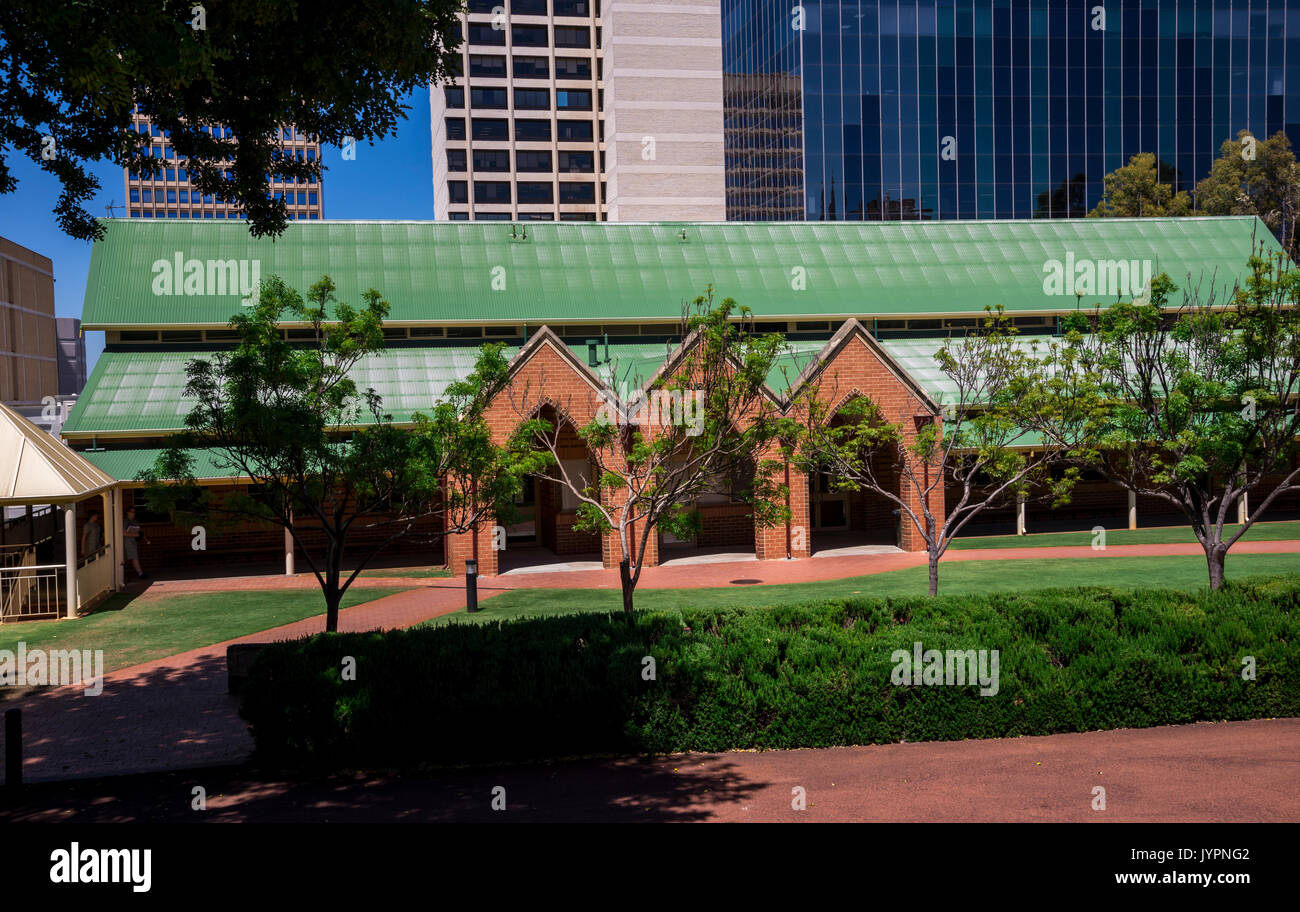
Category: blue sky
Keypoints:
(392, 179)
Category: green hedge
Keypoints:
(796, 676)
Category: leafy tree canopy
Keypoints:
(1143, 188)
(71, 73)
(1255, 177)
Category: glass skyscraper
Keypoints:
(870, 109)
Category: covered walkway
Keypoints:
(37, 578)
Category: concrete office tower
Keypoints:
(169, 194)
(28, 351)
(72, 356)
(518, 135)
(663, 110)
(573, 110)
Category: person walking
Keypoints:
(92, 535)
(131, 538)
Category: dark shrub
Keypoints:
(791, 676)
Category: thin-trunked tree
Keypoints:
(973, 444)
(703, 421)
(1197, 405)
(322, 455)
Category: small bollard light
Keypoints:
(471, 586)
(13, 749)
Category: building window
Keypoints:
(530, 161)
(302, 197)
(491, 192)
(532, 131)
(456, 160)
(532, 68)
(455, 128)
(572, 8)
(572, 68)
(454, 95)
(574, 130)
(577, 162)
(491, 160)
(135, 196)
(528, 35)
(492, 216)
(569, 36)
(185, 196)
(458, 216)
(537, 216)
(487, 65)
(147, 195)
(491, 128)
(533, 99)
(171, 196)
(312, 198)
(484, 6)
(484, 33)
(528, 7)
(487, 98)
(578, 193)
(577, 216)
(458, 191)
(135, 213)
(530, 192)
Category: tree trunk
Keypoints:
(334, 561)
(625, 579)
(332, 599)
(1215, 556)
(934, 572)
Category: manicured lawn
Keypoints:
(131, 631)
(956, 578)
(409, 572)
(1275, 531)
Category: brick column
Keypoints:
(475, 543)
(794, 536)
(911, 538)
(611, 551)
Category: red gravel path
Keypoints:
(1227, 772)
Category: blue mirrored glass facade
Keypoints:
(871, 109)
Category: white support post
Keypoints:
(70, 557)
(1020, 516)
(288, 552)
(1243, 510)
(1132, 510)
(115, 536)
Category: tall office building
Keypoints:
(28, 350)
(575, 110)
(1003, 108)
(860, 109)
(168, 192)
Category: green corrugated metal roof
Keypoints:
(441, 272)
(139, 392)
(125, 465)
